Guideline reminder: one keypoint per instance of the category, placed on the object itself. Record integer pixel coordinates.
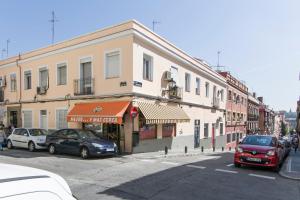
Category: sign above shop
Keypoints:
(123, 83)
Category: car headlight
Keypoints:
(239, 149)
(97, 145)
(271, 152)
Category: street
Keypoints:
(208, 177)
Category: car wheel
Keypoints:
(31, 146)
(84, 153)
(52, 149)
(237, 165)
(9, 144)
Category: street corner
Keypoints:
(291, 167)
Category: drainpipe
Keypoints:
(20, 85)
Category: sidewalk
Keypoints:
(291, 167)
(176, 153)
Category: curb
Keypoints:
(287, 176)
(284, 174)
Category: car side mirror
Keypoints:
(240, 142)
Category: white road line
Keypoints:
(195, 166)
(289, 165)
(230, 165)
(262, 176)
(146, 160)
(170, 163)
(226, 171)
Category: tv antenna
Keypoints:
(154, 23)
(7, 42)
(53, 20)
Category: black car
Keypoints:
(79, 142)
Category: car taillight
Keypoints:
(271, 153)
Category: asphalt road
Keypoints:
(194, 177)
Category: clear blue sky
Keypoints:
(259, 39)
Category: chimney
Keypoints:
(254, 94)
(261, 99)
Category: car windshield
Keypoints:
(38, 132)
(86, 134)
(258, 140)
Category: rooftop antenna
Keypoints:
(7, 42)
(154, 22)
(53, 20)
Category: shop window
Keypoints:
(148, 131)
(233, 137)
(168, 129)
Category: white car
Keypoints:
(31, 139)
(26, 183)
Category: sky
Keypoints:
(259, 40)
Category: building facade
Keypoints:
(236, 110)
(125, 82)
(253, 114)
(266, 118)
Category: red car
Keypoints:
(259, 150)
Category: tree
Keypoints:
(283, 128)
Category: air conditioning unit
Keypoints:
(168, 76)
(41, 90)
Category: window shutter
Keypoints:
(61, 119)
(112, 65)
(27, 119)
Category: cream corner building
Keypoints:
(98, 79)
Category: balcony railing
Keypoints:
(175, 92)
(216, 102)
(84, 86)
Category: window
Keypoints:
(13, 82)
(229, 95)
(27, 80)
(27, 119)
(43, 119)
(174, 75)
(206, 130)
(228, 138)
(61, 118)
(187, 82)
(222, 95)
(228, 116)
(233, 137)
(197, 86)
(43, 77)
(112, 64)
(147, 67)
(207, 89)
(221, 129)
(62, 74)
(242, 101)
(233, 116)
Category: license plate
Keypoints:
(110, 149)
(254, 159)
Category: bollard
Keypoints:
(185, 149)
(222, 148)
(229, 148)
(166, 150)
(202, 149)
(214, 148)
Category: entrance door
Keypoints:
(43, 119)
(213, 139)
(13, 118)
(197, 134)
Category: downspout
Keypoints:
(20, 86)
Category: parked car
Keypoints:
(26, 183)
(79, 142)
(286, 144)
(259, 150)
(31, 139)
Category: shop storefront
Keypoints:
(105, 118)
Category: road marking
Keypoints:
(262, 176)
(195, 166)
(289, 165)
(146, 160)
(226, 171)
(170, 163)
(230, 165)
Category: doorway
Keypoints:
(13, 118)
(197, 134)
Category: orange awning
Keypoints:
(98, 112)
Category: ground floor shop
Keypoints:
(134, 124)
(234, 134)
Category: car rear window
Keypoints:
(258, 140)
(38, 132)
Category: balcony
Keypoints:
(216, 102)
(175, 92)
(84, 86)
